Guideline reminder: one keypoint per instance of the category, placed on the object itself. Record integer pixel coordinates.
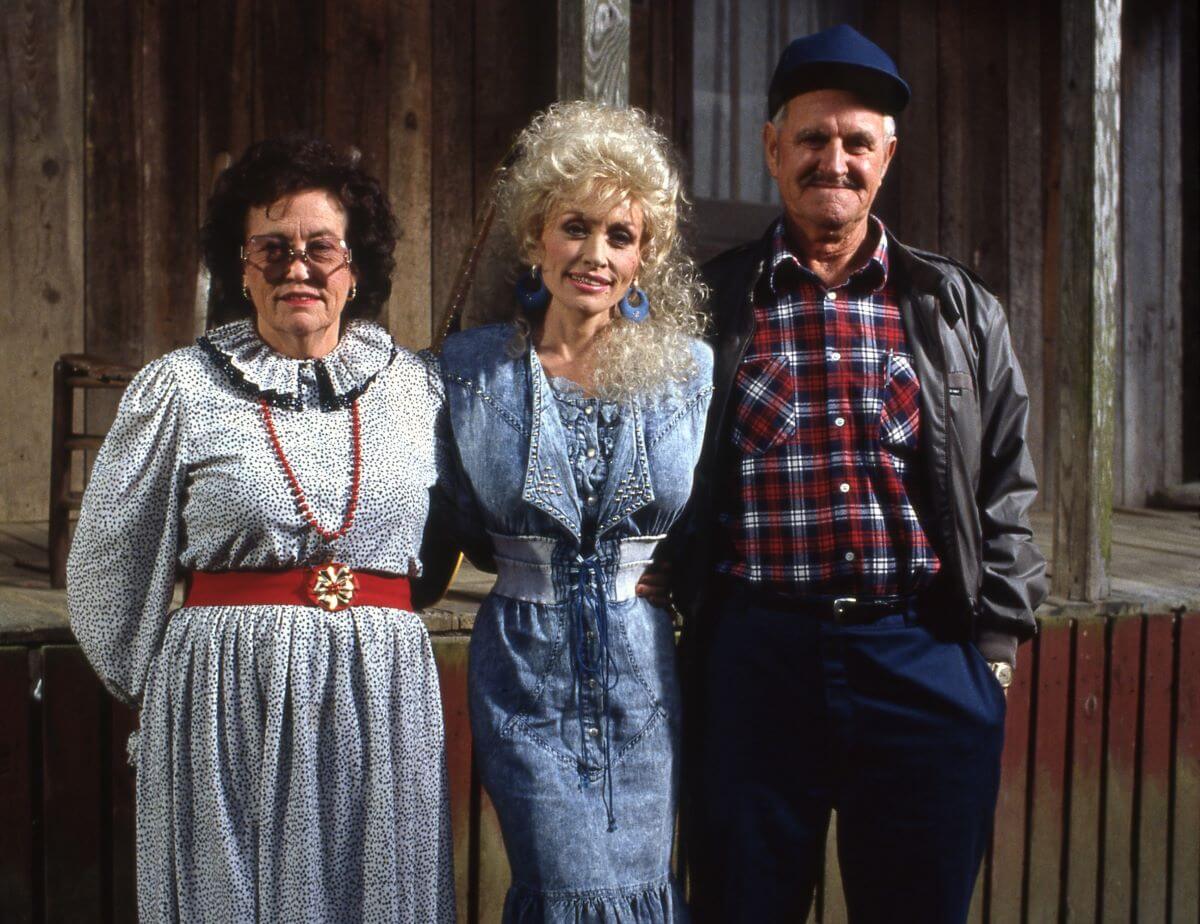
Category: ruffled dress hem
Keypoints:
(656, 902)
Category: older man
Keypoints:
(858, 566)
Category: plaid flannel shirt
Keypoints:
(826, 418)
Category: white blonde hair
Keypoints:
(577, 153)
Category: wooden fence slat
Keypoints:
(451, 655)
(1154, 770)
(1049, 772)
(952, 103)
(1086, 763)
(1008, 831)
(1185, 852)
(123, 821)
(1124, 654)
(833, 896)
(16, 789)
(494, 873)
(73, 800)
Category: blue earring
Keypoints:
(532, 292)
(634, 305)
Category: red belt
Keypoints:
(331, 587)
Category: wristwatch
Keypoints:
(1003, 673)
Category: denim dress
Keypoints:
(574, 699)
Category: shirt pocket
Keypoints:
(765, 414)
(899, 405)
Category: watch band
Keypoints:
(1003, 673)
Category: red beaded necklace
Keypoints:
(298, 492)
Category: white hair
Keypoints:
(889, 122)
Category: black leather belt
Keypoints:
(843, 610)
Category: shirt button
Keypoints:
(844, 488)
(594, 732)
(591, 453)
(839, 421)
(835, 356)
(592, 682)
(588, 410)
(830, 295)
(591, 498)
(849, 556)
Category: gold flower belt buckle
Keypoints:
(333, 586)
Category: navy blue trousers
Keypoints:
(898, 731)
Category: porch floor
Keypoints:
(1155, 569)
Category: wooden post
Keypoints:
(593, 50)
(1091, 44)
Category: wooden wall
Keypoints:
(118, 111)
(977, 178)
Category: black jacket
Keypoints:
(979, 477)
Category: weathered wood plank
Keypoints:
(1120, 764)
(986, 191)
(41, 232)
(410, 121)
(1154, 770)
(1008, 832)
(1086, 766)
(1051, 70)
(452, 205)
(289, 71)
(16, 789)
(952, 99)
(1138, 465)
(593, 50)
(1023, 204)
(451, 656)
(1173, 158)
(918, 167)
(169, 171)
(1087, 310)
(1053, 669)
(359, 40)
(1185, 849)
(73, 800)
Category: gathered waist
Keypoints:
(533, 569)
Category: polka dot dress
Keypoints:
(290, 762)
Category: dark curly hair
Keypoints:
(278, 167)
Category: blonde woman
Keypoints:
(574, 428)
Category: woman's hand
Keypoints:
(655, 585)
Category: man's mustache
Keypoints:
(828, 179)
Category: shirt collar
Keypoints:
(870, 277)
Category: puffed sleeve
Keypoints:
(121, 570)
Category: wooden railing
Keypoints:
(1098, 819)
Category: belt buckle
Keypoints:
(840, 605)
(333, 586)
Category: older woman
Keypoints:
(574, 429)
(290, 762)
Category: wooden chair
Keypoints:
(72, 371)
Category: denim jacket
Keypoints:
(508, 472)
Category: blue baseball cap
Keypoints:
(839, 58)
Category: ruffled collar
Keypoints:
(364, 351)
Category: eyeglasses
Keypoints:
(273, 255)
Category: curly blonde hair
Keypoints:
(584, 152)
